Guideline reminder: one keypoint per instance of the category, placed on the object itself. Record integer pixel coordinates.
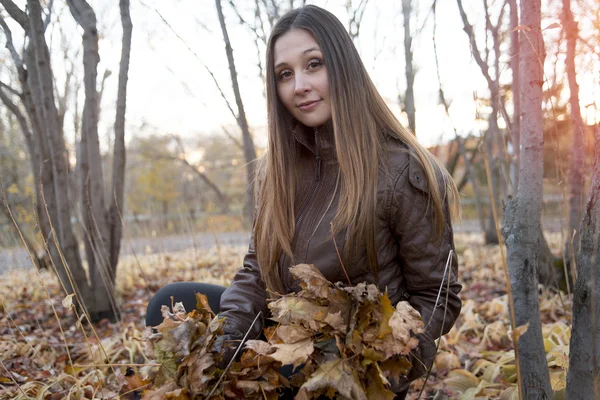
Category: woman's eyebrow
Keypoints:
(311, 49)
(304, 52)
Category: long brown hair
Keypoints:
(359, 116)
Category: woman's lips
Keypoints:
(309, 106)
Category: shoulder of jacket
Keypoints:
(403, 160)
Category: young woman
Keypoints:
(340, 172)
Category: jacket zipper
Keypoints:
(306, 205)
(313, 192)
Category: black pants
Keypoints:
(185, 292)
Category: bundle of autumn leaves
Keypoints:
(342, 342)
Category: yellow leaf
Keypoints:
(387, 310)
(558, 380)
(13, 189)
(376, 385)
(459, 380)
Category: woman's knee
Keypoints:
(184, 292)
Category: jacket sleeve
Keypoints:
(424, 259)
(245, 298)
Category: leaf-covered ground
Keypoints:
(48, 354)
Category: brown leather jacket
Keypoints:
(411, 262)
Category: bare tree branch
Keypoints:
(356, 17)
(468, 28)
(16, 13)
(249, 150)
(11, 89)
(10, 45)
(20, 118)
(233, 138)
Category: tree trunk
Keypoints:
(249, 151)
(409, 100)
(93, 202)
(56, 151)
(516, 85)
(118, 180)
(584, 354)
(576, 168)
(42, 174)
(523, 212)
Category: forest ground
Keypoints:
(47, 354)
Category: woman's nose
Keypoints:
(302, 84)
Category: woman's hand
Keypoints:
(226, 345)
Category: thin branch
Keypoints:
(48, 15)
(253, 28)
(258, 16)
(197, 58)
(429, 13)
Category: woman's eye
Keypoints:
(314, 63)
(285, 74)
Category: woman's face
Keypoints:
(301, 78)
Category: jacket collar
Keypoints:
(320, 141)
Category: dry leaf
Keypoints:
(312, 280)
(288, 310)
(293, 333)
(387, 310)
(520, 331)
(558, 380)
(337, 375)
(447, 361)
(293, 354)
(68, 301)
(376, 385)
(404, 321)
(260, 347)
(460, 380)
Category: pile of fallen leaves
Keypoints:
(343, 342)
